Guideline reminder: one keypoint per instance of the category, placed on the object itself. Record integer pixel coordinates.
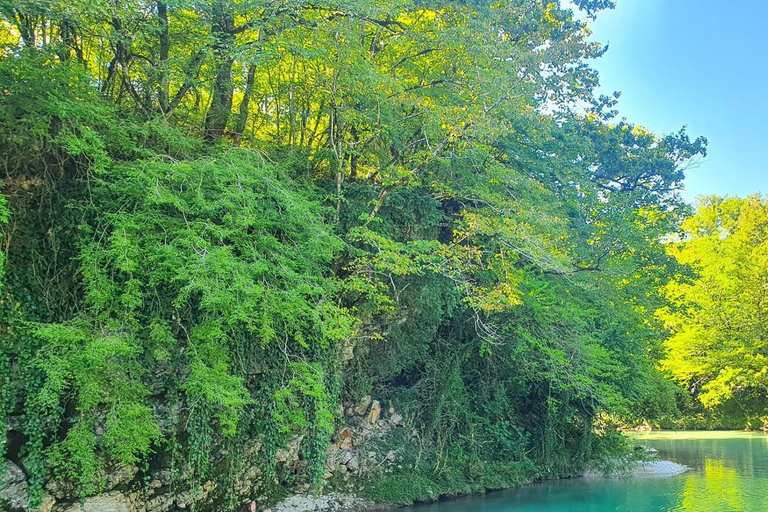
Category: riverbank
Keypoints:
(728, 471)
(338, 502)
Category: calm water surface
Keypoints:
(729, 472)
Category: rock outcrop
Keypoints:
(351, 453)
(366, 422)
(13, 489)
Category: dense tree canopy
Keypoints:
(222, 219)
(717, 313)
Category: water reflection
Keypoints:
(719, 488)
(729, 472)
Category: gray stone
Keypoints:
(13, 489)
(323, 503)
(396, 419)
(362, 406)
(346, 456)
(110, 502)
(349, 350)
(353, 464)
(121, 476)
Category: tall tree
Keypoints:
(718, 348)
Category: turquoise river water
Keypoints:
(729, 472)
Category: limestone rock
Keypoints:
(121, 476)
(346, 456)
(396, 419)
(373, 417)
(13, 489)
(346, 438)
(349, 350)
(110, 502)
(353, 464)
(362, 406)
(47, 503)
(162, 503)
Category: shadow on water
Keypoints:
(729, 472)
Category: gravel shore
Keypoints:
(642, 469)
(658, 468)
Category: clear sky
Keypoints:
(700, 63)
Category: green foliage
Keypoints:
(193, 268)
(716, 348)
(3, 220)
(305, 405)
(225, 220)
(216, 390)
(404, 490)
(51, 117)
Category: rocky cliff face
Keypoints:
(366, 422)
(133, 495)
(349, 458)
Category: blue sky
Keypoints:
(700, 63)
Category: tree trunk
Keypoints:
(242, 117)
(164, 50)
(223, 29)
(354, 154)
